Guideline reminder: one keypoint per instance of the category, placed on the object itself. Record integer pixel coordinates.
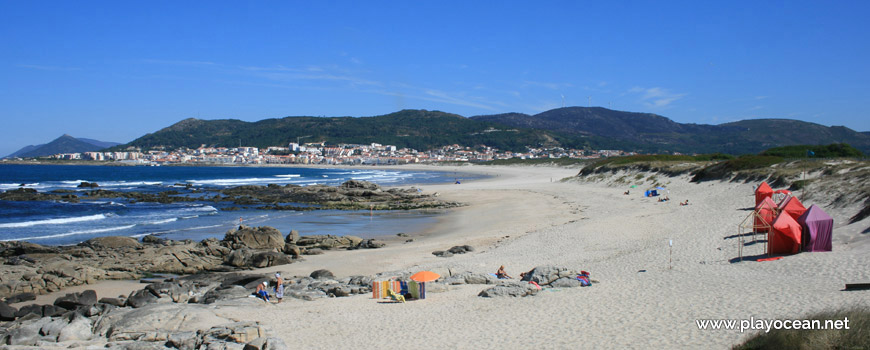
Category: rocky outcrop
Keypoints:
(509, 289)
(263, 237)
(34, 269)
(166, 322)
(352, 194)
(547, 275)
(459, 249)
(327, 242)
(112, 242)
(543, 276)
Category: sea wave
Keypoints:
(207, 208)
(183, 229)
(289, 175)
(73, 233)
(235, 182)
(57, 221)
(164, 221)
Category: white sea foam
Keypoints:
(289, 175)
(73, 233)
(234, 182)
(206, 208)
(57, 221)
(165, 221)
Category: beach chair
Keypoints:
(394, 296)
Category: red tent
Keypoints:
(785, 237)
(793, 207)
(763, 191)
(767, 211)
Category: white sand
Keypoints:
(589, 226)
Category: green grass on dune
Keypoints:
(856, 337)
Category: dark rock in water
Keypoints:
(141, 298)
(72, 301)
(112, 242)
(86, 184)
(17, 298)
(263, 237)
(442, 254)
(322, 274)
(7, 313)
(357, 184)
(112, 301)
(27, 194)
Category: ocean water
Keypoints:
(63, 223)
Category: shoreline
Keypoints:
(526, 217)
(452, 227)
(437, 173)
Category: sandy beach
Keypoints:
(523, 217)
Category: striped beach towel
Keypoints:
(379, 288)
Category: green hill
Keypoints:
(417, 129)
(63, 144)
(651, 133)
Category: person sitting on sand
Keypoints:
(501, 274)
(279, 288)
(261, 291)
(626, 192)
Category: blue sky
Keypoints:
(115, 71)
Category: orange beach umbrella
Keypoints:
(425, 276)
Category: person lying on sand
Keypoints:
(685, 203)
(501, 274)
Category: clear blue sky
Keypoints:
(117, 70)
